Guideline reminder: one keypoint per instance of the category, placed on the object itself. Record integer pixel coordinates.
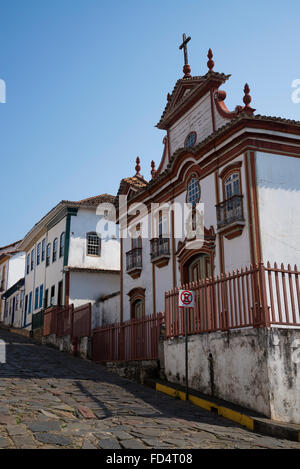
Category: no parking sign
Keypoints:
(186, 299)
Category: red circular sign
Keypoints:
(186, 297)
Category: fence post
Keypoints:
(265, 316)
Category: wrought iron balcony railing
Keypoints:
(134, 259)
(230, 211)
(159, 247)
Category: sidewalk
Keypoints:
(245, 417)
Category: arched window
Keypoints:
(137, 303)
(54, 251)
(62, 245)
(138, 309)
(193, 191)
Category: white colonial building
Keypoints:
(72, 257)
(244, 169)
(12, 262)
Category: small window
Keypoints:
(62, 245)
(193, 191)
(43, 249)
(52, 298)
(30, 302)
(46, 299)
(27, 264)
(54, 252)
(93, 244)
(190, 140)
(32, 260)
(41, 296)
(48, 254)
(38, 254)
(36, 298)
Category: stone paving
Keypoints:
(49, 399)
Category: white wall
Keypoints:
(197, 119)
(278, 184)
(88, 221)
(110, 310)
(88, 287)
(16, 268)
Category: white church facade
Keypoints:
(244, 168)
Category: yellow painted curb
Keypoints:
(227, 413)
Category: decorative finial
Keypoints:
(138, 166)
(247, 99)
(153, 170)
(186, 67)
(210, 62)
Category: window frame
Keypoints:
(93, 233)
(187, 137)
(196, 177)
(62, 245)
(43, 256)
(38, 254)
(48, 257)
(54, 250)
(32, 259)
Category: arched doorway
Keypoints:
(197, 268)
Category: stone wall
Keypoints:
(254, 368)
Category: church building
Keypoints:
(243, 167)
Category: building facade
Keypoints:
(12, 262)
(72, 257)
(241, 168)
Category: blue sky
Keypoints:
(87, 82)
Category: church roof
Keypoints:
(186, 91)
(243, 116)
(136, 182)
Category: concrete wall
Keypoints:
(110, 309)
(255, 368)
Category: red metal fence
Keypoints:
(136, 339)
(256, 296)
(64, 321)
(68, 320)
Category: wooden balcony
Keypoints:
(160, 251)
(134, 262)
(230, 217)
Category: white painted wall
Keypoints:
(88, 287)
(278, 184)
(110, 310)
(197, 119)
(16, 268)
(88, 221)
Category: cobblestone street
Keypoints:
(51, 400)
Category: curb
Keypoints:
(250, 420)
